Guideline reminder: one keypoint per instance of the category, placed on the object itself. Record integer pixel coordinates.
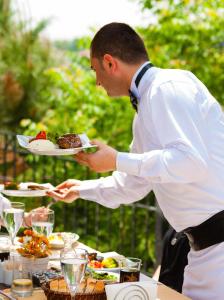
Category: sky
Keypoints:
(74, 18)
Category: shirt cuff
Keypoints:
(87, 188)
(129, 163)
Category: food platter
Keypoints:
(24, 191)
(23, 141)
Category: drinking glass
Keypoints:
(73, 265)
(4, 247)
(13, 218)
(22, 285)
(130, 271)
(42, 222)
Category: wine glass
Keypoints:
(73, 265)
(13, 218)
(42, 222)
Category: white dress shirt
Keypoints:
(178, 152)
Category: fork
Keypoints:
(7, 296)
(53, 201)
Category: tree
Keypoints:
(188, 34)
(23, 58)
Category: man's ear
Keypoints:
(109, 62)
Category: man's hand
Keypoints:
(67, 195)
(103, 160)
(68, 184)
(27, 217)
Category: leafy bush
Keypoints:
(188, 35)
(23, 58)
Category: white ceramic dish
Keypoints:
(23, 141)
(23, 190)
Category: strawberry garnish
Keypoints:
(41, 135)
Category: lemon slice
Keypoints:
(22, 282)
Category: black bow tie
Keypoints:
(133, 98)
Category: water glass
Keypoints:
(130, 271)
(22, 285)
(73, 265)
(42, 222)
(13, 218)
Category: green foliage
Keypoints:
(188, 35)
(23, 58)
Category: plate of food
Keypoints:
(105, 276)
(25, 189)
(52, 145)
(100, 263)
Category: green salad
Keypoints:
(103, 276)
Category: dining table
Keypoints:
(163, 292)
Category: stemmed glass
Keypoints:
(73, 265)
(13, 219)
(43, 222)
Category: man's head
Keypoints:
(116, 52)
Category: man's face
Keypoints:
(106, 77)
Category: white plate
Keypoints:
(104, 269)
(23, 191)
(23, 141)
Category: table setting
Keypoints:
(30, 256)
(42, 264)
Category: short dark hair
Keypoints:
(121, 41)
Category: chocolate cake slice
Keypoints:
(69, 140)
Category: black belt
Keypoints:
(208, 233)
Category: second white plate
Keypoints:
(25, 192)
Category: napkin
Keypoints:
(144, 290)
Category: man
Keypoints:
(177, 151)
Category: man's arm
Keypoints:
(111, 191)
(182, 156)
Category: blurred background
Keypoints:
(46, 84)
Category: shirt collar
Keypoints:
(137, 91)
